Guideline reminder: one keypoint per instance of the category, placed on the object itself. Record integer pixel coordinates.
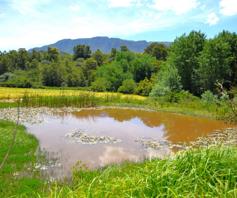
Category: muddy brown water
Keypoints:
(128, 125)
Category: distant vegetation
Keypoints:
(192, 63)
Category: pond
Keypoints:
(98, 137)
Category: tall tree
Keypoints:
(82, 51)
(53, 54)
(157, 50)
(99, 57)
(184, 54)
(215, 64)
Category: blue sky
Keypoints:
(30, 23)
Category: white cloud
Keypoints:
(212, 19)
(74, 7)
(120, 3)
(177, 6)
(27, 6)
(228, 7)
(84, 26)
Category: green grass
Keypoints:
(208, 172)
(183, 103)
(17, 176)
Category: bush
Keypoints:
(209, 98)
(169, 81)
(128, 86)
(144, 87)
(100, 84)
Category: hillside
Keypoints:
(105, 44)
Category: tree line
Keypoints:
(192, 63)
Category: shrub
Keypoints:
(169, 81)
(144, 87)
(209, 98)
(100, 84)
(128, 86)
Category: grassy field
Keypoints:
(15, 93)
(77, 98)
(17, 176)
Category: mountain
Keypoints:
(105, 44)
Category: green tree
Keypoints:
(157, 50)
(100, 84)
(231, 39)
(215, 64)
(82, 51)
(22, 59)
(184, 54)
(143, 66)
(168, 81)
(113, 74)
(53, 74)
(144, 87)
(124, 48)
(113, 54)
(128, 86)
(88, 68)
(53, 54)
(99, 57)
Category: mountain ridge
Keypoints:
(103, 43)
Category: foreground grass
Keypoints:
(17, 176)
(208, 172)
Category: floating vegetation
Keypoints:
(83, 138)
(32, 115)
(159, 144)
(227, 137)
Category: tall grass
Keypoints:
(17, 177)
(208, 172)
(80, 100)
(15, 93)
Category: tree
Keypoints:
(184, 54)
(22, 59)
(53, 54)
(113, 74)
(157, 50)
(82, 51)
(124, 48)
(88, 69)
(168, 81)
(215, 64)
(53, 74)
(100, 84)
(143, 66)
(144, 87)
(113, 54)
(74, 74)
(99, 57)
(231, 39)
(128, 86)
